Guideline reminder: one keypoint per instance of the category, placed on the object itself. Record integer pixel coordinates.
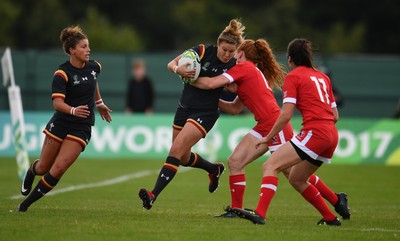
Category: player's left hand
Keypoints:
(185, 73)
(104, 112)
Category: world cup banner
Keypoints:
(142, 137)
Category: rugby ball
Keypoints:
(190, 56)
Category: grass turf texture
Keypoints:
(185, 210)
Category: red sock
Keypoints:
(312, 195)
(269, 185)
(325, 191)
(237, 183)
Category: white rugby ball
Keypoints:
(190, 56)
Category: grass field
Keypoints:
(97, 200)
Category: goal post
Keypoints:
(16, 112)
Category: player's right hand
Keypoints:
(82, 111)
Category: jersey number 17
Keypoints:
(321, 87)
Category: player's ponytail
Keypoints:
(233, 33)
(260, 53)
(70, 36)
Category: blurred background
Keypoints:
(358, 41)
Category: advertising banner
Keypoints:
(138, 137)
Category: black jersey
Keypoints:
(77, 87)
(195, 98)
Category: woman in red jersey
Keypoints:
(254, 77)
(310, 91)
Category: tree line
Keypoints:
(334, 26)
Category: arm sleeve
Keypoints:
(200, 50)
(289, 90)
(236, 73)
(59, 84)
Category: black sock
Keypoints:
(192, 160)
(45, 185)
(197, 161)
(167, 173)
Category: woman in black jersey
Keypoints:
(75, 93)
(197, 112)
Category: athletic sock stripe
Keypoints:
(196, 158)
(46, 183)
(240, 183)
(316, 179)
(171, 167)
(269, 186)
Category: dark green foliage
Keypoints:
(335, 26)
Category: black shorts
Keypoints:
(306, 157)
(203, 120)
(59, 129)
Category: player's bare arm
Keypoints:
(211, 83)
(231, 107)
(280, 123)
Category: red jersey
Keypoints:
(311, 91)
(254, 92)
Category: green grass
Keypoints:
(185, 209)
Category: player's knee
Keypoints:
(234, 164)
(177, 152)
(296, 182)
(268, 167)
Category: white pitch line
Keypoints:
(102, 183)
(96, 184)
(380, 230)
(371, 230)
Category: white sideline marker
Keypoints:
(17, 114)
(108, 182)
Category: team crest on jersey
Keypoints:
(76, 81)
(205, 66)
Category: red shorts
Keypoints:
(319, 143)
(278, 140)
